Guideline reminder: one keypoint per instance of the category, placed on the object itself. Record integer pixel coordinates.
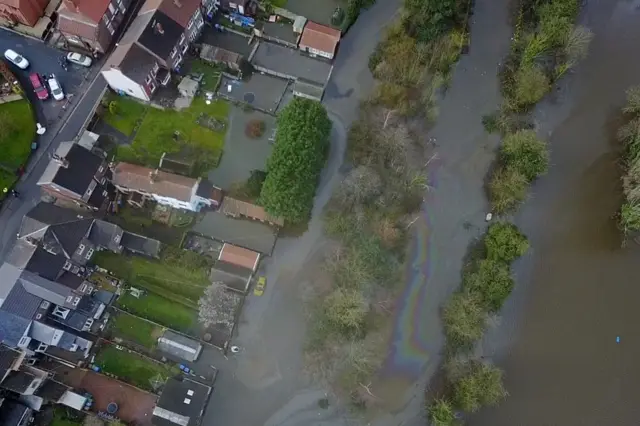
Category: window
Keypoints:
(80, 248)
(110, 28)
(184, 48)
(44, 304)
(112, 9)
(38, 316)
(173, 52)
(181, 39)
(155, 69)
(83, 288)
(76, 300)
(152, 87)
(100, 169)
(116, 238)
(69, 299)
(105, 19)
(148, 80)
(89, 254)
(190, 24)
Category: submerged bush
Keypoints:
(507, 189)
(530, 86)
(480, 386)
(525, 152)
(441, 413)
(464, 319)
(492, 282)
(504, 242)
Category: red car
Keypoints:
(41, 91)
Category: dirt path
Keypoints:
(577, 290)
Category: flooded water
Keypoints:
(578, 290)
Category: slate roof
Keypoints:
(44, 214)
(44, 289)
(105, 234)
(141, 244)
(82, 166)
(12, 328)
(21, 303)
(45, 264)
(241, 232)
(18, 381)
(51, 390)
(172, 402)
(9, 275)
(133, 61)
(12, 413)
(161, 34)
(8, 357)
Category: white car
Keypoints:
(79, 59)
(55, 88)
(17, 60)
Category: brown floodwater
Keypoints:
(578, 290)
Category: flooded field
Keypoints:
(578, 290)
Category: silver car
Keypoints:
(79, 59)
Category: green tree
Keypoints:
(426, 20)
(464, 319)
(255, 182)
(441, 413)
(299, 154)
(346, 311)
(503, 241)
(527, 153)
(491, 281)
(481, 385)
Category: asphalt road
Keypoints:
(43, 59)
(63, 120)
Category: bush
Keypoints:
(299, 154)
(526, 153)
(255, 129)
(507, 189)
(504, 242)
(464, 319)
(441, 413)
(346, 310)
(480, 386)
(530, 86)
(492, 282)
(426, 20)
(255, 182)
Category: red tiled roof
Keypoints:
(180, 11)
(139, 178)
(81, 28)
(233, 207)
(320, 37)
(239, 256)
(92, 9)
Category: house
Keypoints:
(179, 346)
(76, 173)
(26, 12)
(218, 55)
(237, 208)
(91, 24)
(165, 188)
(154, 46)
(319, 40)
(181, 403)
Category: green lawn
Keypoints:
(156, 135)
(62, 418)
(183, 283)
(126, 115)
(211, 74)
(17, 132)
(131, 367)
(6, 181)
(159, 309)
(136, 330)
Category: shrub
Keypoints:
(629, 217)
(255, 182)
(299, 154)
(492, 282)
(441, 413)
(507, 189)
(480, 386)
(530, 86)
(464, 319)
(504, 242)
(255, 129)
(426, 20)
(346, 310)
(526, 153)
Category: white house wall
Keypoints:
(120, 82)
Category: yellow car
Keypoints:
(260, 285)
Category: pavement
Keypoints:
(63, 121)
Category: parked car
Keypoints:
(55, 88)
(79, 59)
(260, 285)
(17, 60)
(38, 86)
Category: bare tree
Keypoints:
(359, 186)
(217, 306)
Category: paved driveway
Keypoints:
(43, 59)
